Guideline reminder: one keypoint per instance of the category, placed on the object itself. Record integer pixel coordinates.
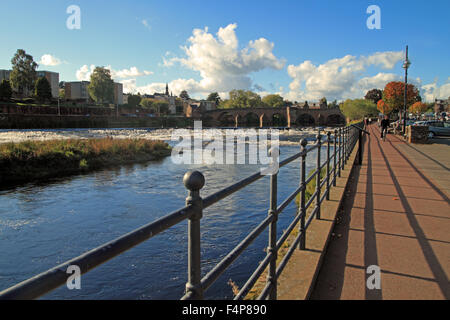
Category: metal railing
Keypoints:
(343, 142)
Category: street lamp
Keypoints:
(405, 66)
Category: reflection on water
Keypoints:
(42, 225)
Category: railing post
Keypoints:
(319, 144)
(345, 145)
(194, 181)
(334, 158)
(360, 147)
(272, 276)
(340, 152)
(328, 166)
(303, 144)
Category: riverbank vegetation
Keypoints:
(36, 160)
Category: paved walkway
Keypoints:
(396, 217)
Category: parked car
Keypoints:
(437, 128)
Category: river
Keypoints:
(44, 224)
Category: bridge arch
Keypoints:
(251, 119)
(279, 120)
(305, 119)
(226, 119)
(335, 119)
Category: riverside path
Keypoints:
(396, 216)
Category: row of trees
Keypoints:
(42, 90)
(23, 79)
(392, 98)
(248, 99)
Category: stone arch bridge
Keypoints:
(273, 117)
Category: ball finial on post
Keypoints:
(194, 180)
(303, 143)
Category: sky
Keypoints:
(302, 50)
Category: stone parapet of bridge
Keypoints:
(271, 117)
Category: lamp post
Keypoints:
(406, 65)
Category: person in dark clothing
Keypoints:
(384, 127)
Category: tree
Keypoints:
(358, 108)
(394, 93)
(147, 104)
(333, 105)
(5, 90)
(184, 95)
(43, 90)
(214, 96)
(134, 100)
(62, 94)
(244, 99)
(375, 95)
(418, 107)
(23, 74)
(273, 100)
(101, 88)
(383, 107)
(323, 102)
(161, 107)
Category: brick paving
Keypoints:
(396, 217)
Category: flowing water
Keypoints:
(42, 225)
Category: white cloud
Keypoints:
(128, 73)
(432, 91)
(220, 63)
(84, 73)
(340, 78)
(49, 60)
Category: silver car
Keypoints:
(437, 128)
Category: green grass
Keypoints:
(36, 160)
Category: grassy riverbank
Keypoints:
(35, 160)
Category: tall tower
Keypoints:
(167, 89)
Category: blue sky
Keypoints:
(300, 49)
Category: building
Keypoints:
(118, 93)
(192, 108)
(53, 79)
(4, 75)
(77, 90)
(125, 98)
(441, 105)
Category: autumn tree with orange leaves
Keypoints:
(383, 107)
(418, 107)
(394, 95)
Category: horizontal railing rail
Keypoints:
(342, 143)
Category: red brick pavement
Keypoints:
(396, 218)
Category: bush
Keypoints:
(43, 90)
(5, 90)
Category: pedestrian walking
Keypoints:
(384, 127)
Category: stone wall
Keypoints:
(417, 134)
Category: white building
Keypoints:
(76, 90)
